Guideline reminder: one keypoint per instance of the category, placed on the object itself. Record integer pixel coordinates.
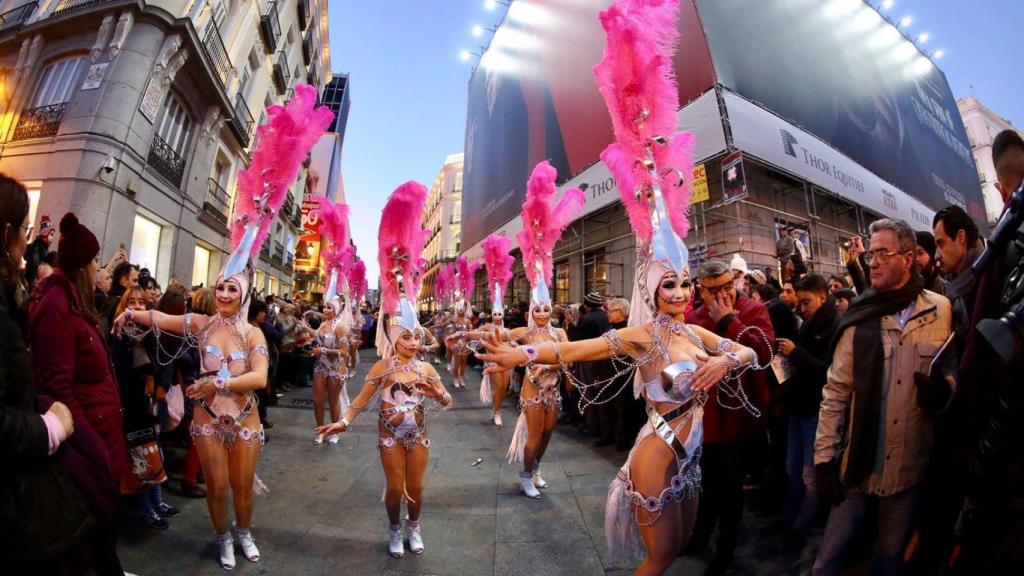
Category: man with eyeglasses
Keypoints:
(734, 440)
(875, 432)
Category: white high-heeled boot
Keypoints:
(248, 545)
(227, 551)
(537, 480)
(497, 420)
(415, 540)
(526, 485)
(395, 546)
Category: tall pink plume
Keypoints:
(544, 221)
(636, 77)
(357, 280)
(337, 252)
(499, 262)
(283, 143)
(400, 242)
(443, 284)
(467, 272)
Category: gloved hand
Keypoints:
(830, 487)
(933, 391)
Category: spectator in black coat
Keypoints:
(593, 323)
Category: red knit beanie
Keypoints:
(77, 244)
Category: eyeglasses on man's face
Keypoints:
(881, 255)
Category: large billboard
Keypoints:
(836, 69)
(533, 97)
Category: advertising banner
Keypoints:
(839, 71)
(533, 97)
(734, 180)
(770, 138)
(700, 184)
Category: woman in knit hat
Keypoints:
(73, 367)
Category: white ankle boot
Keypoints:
(497, 420)
(526, 485)
(415, 540)
(537, 480)
(227, 551)
(248, 545)
(395, 547)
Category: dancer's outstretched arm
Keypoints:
(370, 387)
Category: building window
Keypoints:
(274, 285)
(47, 106)
(201, 267)
(596, 273)
(562, 282)
(174, 128)
(145, 249)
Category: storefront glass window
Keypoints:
(562, 283)
(145, 249)
(201, 267)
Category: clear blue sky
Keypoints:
(409, 87)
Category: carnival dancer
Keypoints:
(357, 291)
(493, 387)
(540, 398)
(463, 319)
(652, 503)
(226, 427)
(408, 387)
(331, 344)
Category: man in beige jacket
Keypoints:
(874, 439)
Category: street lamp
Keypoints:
(465, 55)
(937, 54)
(492, 4)
(906, 21)
(887, 4)
(923, 38)
(479, 30)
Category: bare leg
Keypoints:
(213, 457)
(333, 390)
(535, 418)
(550, 420)
(499, 387)
(393, 461)
(415, 469)
(242, 463)
(319, 390)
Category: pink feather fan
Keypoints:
(337, 252)
(283, 143)
(636, 77)
(467, 272)
(499, 262)
(357, 280)
(400, 242)
(544, 221)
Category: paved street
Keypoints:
(324, 514)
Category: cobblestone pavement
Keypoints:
(324, 514)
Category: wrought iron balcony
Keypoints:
(279, 252)
(297, 218)
(307, 49)
(289, 260)
(166, 161)
(289, 205)
(304, 13)
(265, 251)
(40, 122)
(281, 72)
(14, 19)
(270, 27)
(217, 201)
(69, 5)
(213, 45)
(241, 121)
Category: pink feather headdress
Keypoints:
(400, 242)
(499, 265)
(357, 280)
(442, 285)
(466, 273)
(544, 221)
(283, 143)
(636, 77)
(334, 227)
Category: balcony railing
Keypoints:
(297, 218)
(289, 260)
(14, 19)
(69, 5)
(216, 203)
(40, 122)
(307, 49)
(270, 27)
(213, 45)
(166, 161)
(241, 121)
(279, 252)
(289, 205)
(304, 13)
(265, 250)
(281, 72)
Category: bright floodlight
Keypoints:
(478, 31)
(923, 38)
(464, 55)
(886, 4)
(490, 4)
(906, 21)
(938, 54)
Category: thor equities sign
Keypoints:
(770, 138)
